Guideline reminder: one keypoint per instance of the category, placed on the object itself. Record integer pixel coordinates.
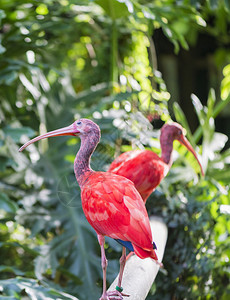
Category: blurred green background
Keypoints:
(130, 66)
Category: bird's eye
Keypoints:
(79, 123)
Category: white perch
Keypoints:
(139, 274)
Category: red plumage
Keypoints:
(144, 167)
(114, 208)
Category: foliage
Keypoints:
(15, 288)
(197, 250)
(63, 59)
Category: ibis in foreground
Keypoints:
(111, 203)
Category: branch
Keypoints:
(140, 274)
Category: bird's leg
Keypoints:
(104, 264)
(122, 266)
(111, 295)
(129, 255)
(119, 289)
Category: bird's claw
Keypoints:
(113, 295)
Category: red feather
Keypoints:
(143, 167)
(114, 208)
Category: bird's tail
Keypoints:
(142, 253)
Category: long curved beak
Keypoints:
(69, 130)
(182, 139)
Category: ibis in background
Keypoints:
(111, 203)
(145, 168)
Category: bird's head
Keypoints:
(174, 131)
(81, 128)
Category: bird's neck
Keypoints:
(166, 149)
(82, 167)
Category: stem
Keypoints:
(153, 59)
(113, 61)
(220, 106)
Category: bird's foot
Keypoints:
(113, 295)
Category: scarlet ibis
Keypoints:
(145, 168)
(112, 205)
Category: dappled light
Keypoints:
(65, 60)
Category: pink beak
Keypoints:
(69, 130)
(182, 139)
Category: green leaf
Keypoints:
(227, 4)
(214, 4)
(5, 162)
(18, 245)
(2, 49)
(91, 94)
(210, 103)
(42, 9)
(34, 290)
(75, 278)
(16, 133)
(221, 175)
(7, 77)
(2, 15)
(116, 8)
(198, 108)
(181, 118)
(6, 204)
(11, 269)
(9, 298)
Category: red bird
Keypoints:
(111, 204)
(145, 168)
